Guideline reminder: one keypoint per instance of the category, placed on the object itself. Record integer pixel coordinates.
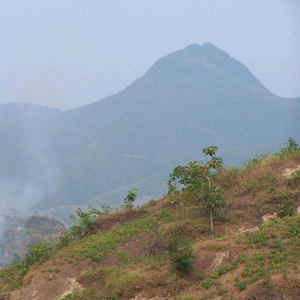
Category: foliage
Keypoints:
(181, 254)
(130, 198)
(97, 246)
(82, 223)
(151, 202)
(195, 183)
(37, 254)
(285, 208)
(295, 177)
(207, 284)
(240, 285)
(214, 162)
(200, 274)
(290, 147)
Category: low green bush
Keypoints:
(181, 254)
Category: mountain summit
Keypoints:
(188, 100)
(204, 57)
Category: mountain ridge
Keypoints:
(183, 103)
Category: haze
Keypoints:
(66, 54)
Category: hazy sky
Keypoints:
(69, 53)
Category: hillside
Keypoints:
(20, 231)
(252, 253)
(193, 97)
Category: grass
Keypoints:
(97, 247)
(122, 283)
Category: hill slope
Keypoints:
(253, 252)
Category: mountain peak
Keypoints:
(209, 45)
(195, 55)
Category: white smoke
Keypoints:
(41, 174)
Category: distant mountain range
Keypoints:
(190, 99)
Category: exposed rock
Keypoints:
(253, 229)
(269, 217)
(288, 172)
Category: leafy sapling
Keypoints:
(130, 198)
(196, 183)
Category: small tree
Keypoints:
(290, 147)
(130, 198)
(195, 183)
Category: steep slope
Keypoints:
(189, 99)
(20, 231)
(253, 252)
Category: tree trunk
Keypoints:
(211, 221)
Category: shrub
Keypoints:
(207, 284)
(285, 208)
(181, 254)
(37, 254)
(290, 147)
(200, 274)
(242, 258)
(82, 223)
(241, 285)
(214, 274)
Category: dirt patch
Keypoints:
(159, 204)
(109, 222)
(47, 290)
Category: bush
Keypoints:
(290, 147)
(82, 223)
(37, 254)
(207, 284)
(241, 285)
(181, 254)
(200, 274)
(285, 208)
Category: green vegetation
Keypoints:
(207, 284)
(181, 254)
(195, 183)
(285, 207)
(167, 248)
(130, 198)
(83, 223)
(240, 285)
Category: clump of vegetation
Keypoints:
(83, 221)
(181, 254)
(241, 285)
(285, 208)
(290, 147)
(200, 274)
(130, 198)
(207, 284)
